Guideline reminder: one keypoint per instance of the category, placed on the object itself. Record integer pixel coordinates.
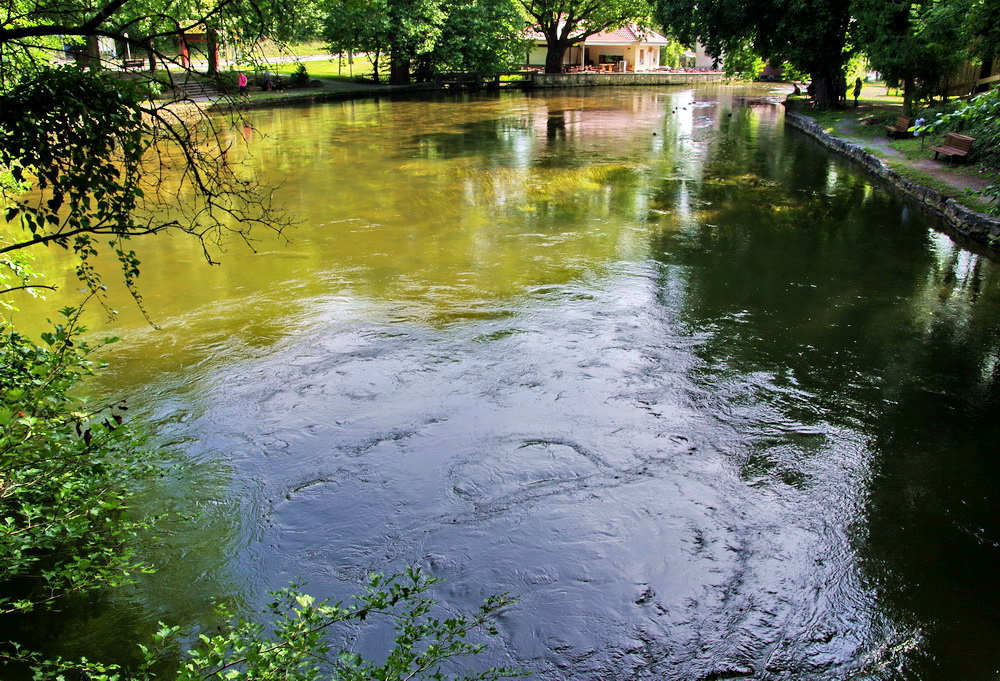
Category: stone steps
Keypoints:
(197, 89)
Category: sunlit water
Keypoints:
(703, 398)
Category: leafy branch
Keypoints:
(297, 647)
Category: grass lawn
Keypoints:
(878, 94)
(335, 67)
(269, 48)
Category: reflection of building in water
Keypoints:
(582, 118)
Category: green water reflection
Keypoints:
(443, 210)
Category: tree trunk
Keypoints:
(554, 55)
(376, 60)
(399, 67)
(93, 53)
(425, 70)
(826, 92)
(908, 97)
(212, 47)
(148, 44)
(986, 70)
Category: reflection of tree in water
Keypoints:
(933, 525)
(492, 140)
(828, 306)
(588, 193)
(555, 127)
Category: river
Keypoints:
(706, 400)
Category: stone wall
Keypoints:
(560, 80)
(977, 226)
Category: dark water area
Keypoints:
(707, 401)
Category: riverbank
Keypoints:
(330, 89)
(947, 200)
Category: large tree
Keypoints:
(912, 41)
(485, 36)
(983, 31)
(812, 35)
(353, 26)
(983, 26)
(414, 29)
(565, 23)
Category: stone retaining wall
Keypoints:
(293, 97)
(561, 80)
(977, 226)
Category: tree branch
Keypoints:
(104, 14)
(28, 286)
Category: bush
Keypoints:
(65, 473)
(296, 645)
(299, 77)
(156, 83)
(226, 82)
(979, 118)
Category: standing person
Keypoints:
(857, 91)
(242, 82)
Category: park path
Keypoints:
(941, 170)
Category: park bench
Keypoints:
(900, 127)
(132, 64)
(955, 146)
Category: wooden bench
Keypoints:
(955, 146)
(900, 127)
(131, 64)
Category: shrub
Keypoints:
(296, 644)
(65, 473)
(979, 118)
(299, 77)
(226, 82)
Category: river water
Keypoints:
(707, 401)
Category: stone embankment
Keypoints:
(969, 223)
(586, 79)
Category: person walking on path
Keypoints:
(857, 91)
(242, 82)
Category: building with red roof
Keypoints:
(629, 48)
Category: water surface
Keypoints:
(703, 398)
